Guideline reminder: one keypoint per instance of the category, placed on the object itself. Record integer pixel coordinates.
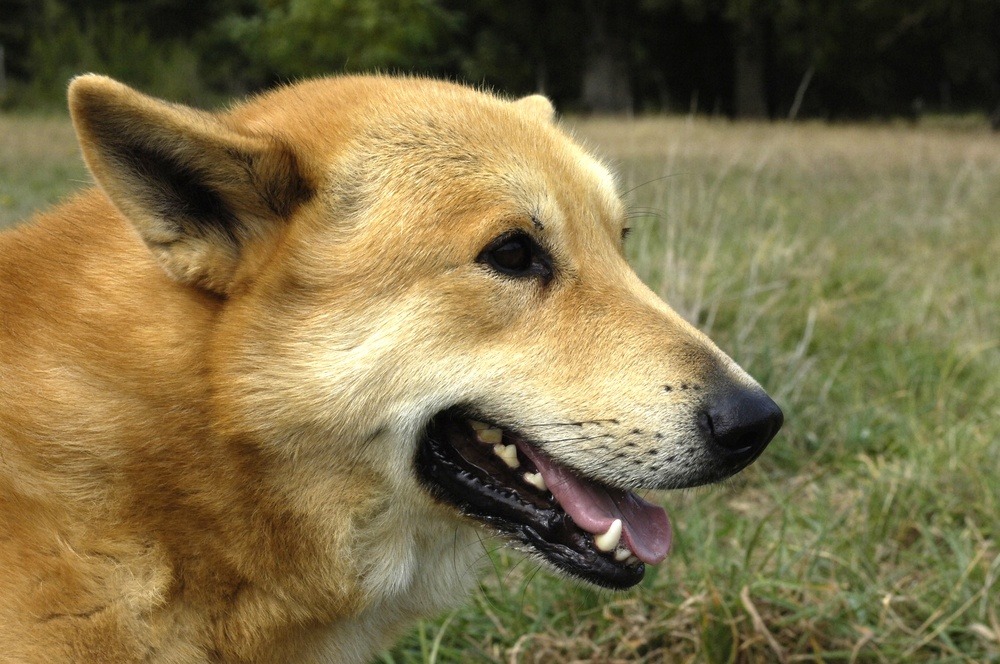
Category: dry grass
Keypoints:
(39, 164)
(854, 271)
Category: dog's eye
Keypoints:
(516, 255)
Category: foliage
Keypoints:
(62, 44)
(845, 58)
(295, 38)
(519, 46)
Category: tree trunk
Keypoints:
(751, 96)
(3, 75)
(606, 84)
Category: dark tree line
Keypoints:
(750, 58)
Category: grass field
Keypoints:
(855, 271)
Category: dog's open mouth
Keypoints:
(598, 533)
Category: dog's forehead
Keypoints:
(411, 147)
(591, 194)
(495, 154)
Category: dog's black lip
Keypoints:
(540, 526)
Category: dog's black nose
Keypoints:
(742, 421)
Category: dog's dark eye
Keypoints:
(516, 255)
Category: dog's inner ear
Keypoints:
(200, 193)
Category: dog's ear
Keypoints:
(198, 191)
(537, 106)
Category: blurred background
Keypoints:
(833, 59)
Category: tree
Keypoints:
(746, 58)
(751, 20)
(607, 84)
(520, 46)
(20, 20)
(293, 38)
(578, 51)
(748, 24)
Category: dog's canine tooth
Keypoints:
(536, 480)
(621, 553)
(508, 453)
(490, 436)
(478, 426)
(609, 540)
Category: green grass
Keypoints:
(855, 271)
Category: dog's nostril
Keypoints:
(742, 421)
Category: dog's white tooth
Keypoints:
(632, 560)
(490, 436)
(621, 553)
(508, 453)
(478, 426)
(609, 540)
(536, 480)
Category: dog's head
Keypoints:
(428, 283)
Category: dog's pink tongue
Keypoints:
(645, 527)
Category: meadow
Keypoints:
(855, 271)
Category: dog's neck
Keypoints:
(349, 577)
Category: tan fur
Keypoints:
(207, 423)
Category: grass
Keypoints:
(39, 164)
(854, 271)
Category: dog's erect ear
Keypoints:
(537, 106)
(198, 191)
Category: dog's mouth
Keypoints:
(601, 534)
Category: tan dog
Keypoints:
(260, 389)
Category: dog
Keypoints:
(265, 386)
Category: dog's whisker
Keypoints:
(513, 567)
(643, 211)
(486, 554)
(536, 568)
(643, 216)
(454, 550)
(643, 184)
(527, 582)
